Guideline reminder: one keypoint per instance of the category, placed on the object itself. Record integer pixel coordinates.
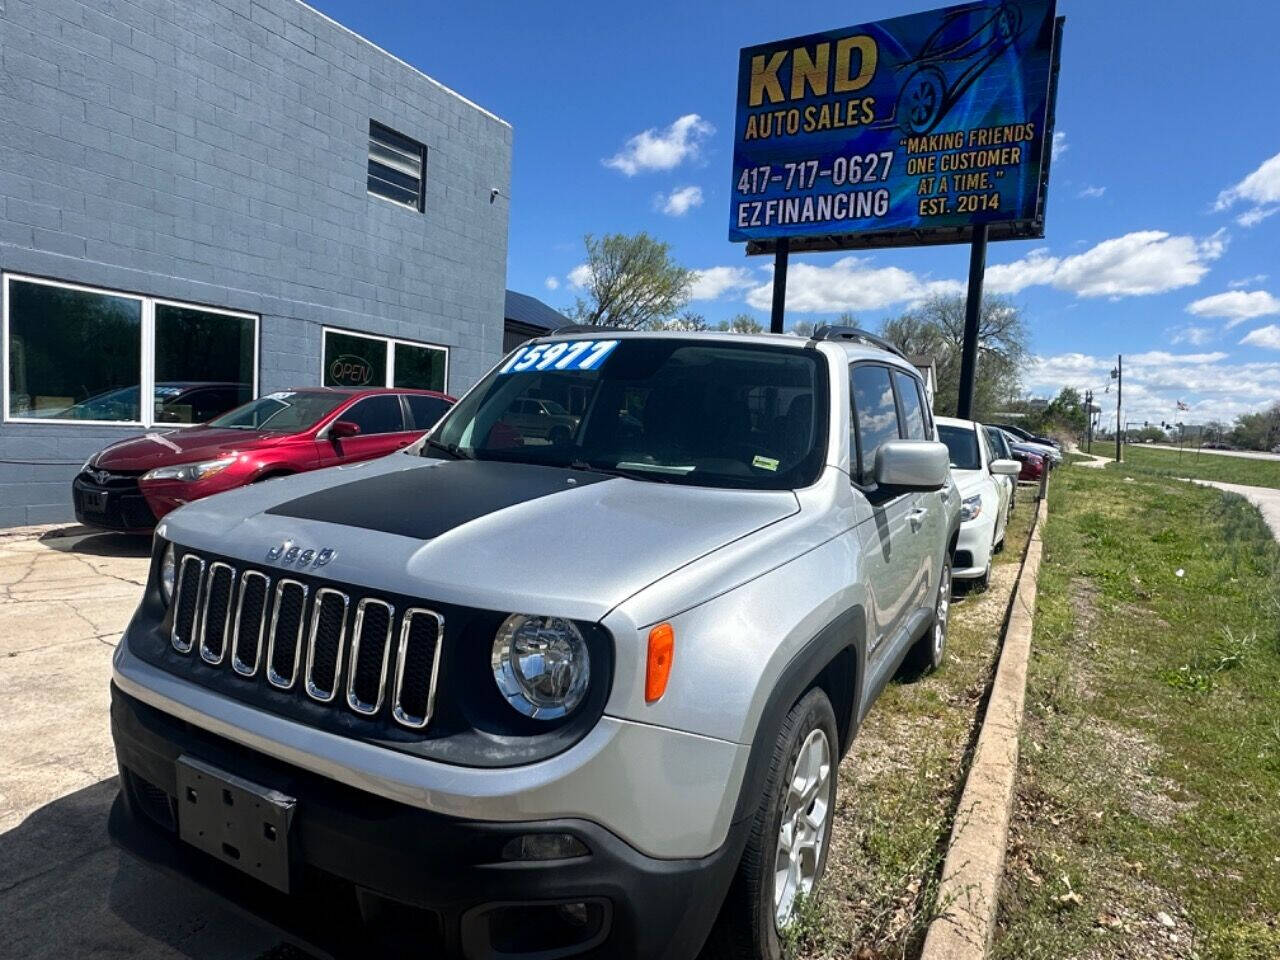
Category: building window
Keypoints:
(79, 354)
(361, 360)
(396, 167)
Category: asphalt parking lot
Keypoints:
(65, 891)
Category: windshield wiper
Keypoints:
(641, 475)
(450, 448)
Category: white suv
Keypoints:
(986, 490)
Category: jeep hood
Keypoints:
(494, 535)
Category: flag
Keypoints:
(1183, 406)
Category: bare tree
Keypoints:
(936, 329)
(631, 282)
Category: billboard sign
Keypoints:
(900, 132)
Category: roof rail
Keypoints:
(826, 332)
(583, 328)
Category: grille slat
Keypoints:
(251, 622)
(215, 621)
(186, 603)
(288, 617)
(417, 663)
(261, 619)
(324, 649)
(370, 647)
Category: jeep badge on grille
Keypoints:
(289, 554)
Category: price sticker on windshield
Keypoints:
(559, 355)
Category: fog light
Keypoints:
(544, 846)
(574, 913)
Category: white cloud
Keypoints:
(680, 201)
(1192, 334)
(553, 283)
(714, 282)
(851, 283)
(1091, 193)
(1236, 306)
(1253, 281)
(1035, 269)
(1268, 336)
(1154, 381)
(1254, 216)
(1136, 264)
(655, 149)
(1260, 188)
(1060, 145)
(579, 276)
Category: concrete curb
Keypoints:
(971, 875)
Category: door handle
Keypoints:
(917, 516)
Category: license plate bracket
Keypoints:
(235, 820)
(95, 500)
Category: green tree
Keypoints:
(686, 320)
(935, 329)
(632, 282)
(1258, 431)
(742, 323)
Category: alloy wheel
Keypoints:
(803, 831)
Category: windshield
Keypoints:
(962, 445)
(285, 412)
(665, 410)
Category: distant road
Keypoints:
(1242, 454)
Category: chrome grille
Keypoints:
(216, 618)
(251, 622)
(324, 648)
(285, 641)
(186, 603)
(417, 662)
(370, 647)
(260, 619)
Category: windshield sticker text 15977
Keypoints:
(561, 355)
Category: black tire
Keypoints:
(746, 928)
(930, 651)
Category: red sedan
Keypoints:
(132, 484)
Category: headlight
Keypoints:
(970, 508)
(168, 573)
(190, 472)
(88, 463)
(541, 665)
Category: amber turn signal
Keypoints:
(662, 650)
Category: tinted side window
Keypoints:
(912, 412)
(876, 414)
(426, 410)
(380, 414)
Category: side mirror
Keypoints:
(340, 429)
(1006, 468)
(912, 464)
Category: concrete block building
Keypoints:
(202, 201)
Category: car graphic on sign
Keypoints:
(969, 40)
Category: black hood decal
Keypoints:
(423, 503)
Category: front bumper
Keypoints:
(374, 876)
(118, 504)
(973, 548)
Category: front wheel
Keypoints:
(786, 853)
(931, 650)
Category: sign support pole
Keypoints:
(780, 256)
(972, 313)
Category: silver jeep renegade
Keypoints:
(562, 689)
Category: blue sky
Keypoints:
(1160, 242)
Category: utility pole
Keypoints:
(1118, 375)
(1088, 423)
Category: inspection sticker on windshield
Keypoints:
(764, 463)
(562, 355)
